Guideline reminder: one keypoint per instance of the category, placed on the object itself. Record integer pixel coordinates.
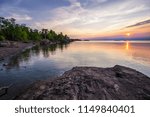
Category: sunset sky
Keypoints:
(83, 18)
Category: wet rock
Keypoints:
(5, 44)
(1, 59)
(92, 83)
(14, 44)
(5, 64)
(45, 42)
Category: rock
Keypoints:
(5, 64)
(5, 44)
(1, 59)
(10, 44)
(14, 44)
(44, 42)
(92, 83)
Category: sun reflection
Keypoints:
(127, 45)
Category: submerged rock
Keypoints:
(92, 83)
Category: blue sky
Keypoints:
(78, 18)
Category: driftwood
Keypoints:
(5, 89)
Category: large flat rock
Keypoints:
(92, 83)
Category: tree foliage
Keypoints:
(9, 30)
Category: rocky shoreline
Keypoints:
(12, 48)
(92, 83)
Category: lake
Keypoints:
(41, 63)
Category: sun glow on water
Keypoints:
(127, 45)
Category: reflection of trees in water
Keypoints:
(62, 46)
(15, 60)
(35, 51)
(51, 50)
(47, 50)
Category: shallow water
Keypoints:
(40, 63)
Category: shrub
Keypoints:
(2, 38)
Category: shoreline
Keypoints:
(7, 52)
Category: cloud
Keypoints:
(79, 17)
(139, 24)
(63, 15)
(9, 9)
(20, 17)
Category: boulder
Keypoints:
(45, 42)
(5, 44)
(92, 83)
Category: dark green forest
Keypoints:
(10, 30)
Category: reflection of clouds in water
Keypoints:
(94, 56)
(139, 52)
(98, 54)
(33, 61)
(141, 60)
(39, 66)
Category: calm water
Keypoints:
(41, 63)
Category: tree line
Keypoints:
(10, 30)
